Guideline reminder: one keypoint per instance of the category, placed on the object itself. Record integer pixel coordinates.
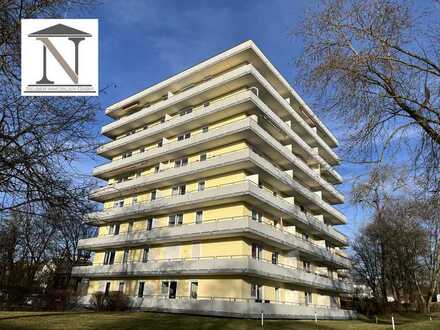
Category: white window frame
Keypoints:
(190, 291)
(199, 219)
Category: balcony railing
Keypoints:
(309, 219)
(239, 299)
(211, 227)
(222, 264)
(253, 124)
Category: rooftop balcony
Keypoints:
(239, 102)
(238, 78)
(244, 159)
(227, 265)
(246, 129)
(246, 52)
(240, 226)
(242, 191)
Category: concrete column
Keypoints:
(290, 199)
(318, 193)
(320, 217)
(316, 168)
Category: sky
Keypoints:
(144, 42)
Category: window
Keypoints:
(162, 119)
(125, 258)
(173, 290)
(142, 149)
(109, 257)
(328, 246)
(160, 143)
(134, 200)
(256, 251)
(206, 104)
(121, 287)
(157, 168)
(122, 179)
(199, 217)
(153, 195)
(114, 229)
(193, 291)
(145, 254)
(141, 289)
(130, 227)
(275, 258)
(118, 203)
(181, 162)
(164, 287)
(305, 237)
(201, 186)
(186, 111)
(145, 126)
(257, 292)
(203, 157)
(205, 129)
(308, 297)
(107, 289)
(277, 294)
(169, 288)
(256, 216)
(126, 155)
(306, 266)
(178, 190)
(175, 219)
(138, 174)
(149, 224)
(184, 136)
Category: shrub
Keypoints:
(98, 301)
(114, 301)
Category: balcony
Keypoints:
(221, 164)
(225, 265)
(246, 129)
(240, 102)
(241, 191)
(246, 52)
(241, 77)
(240, 226)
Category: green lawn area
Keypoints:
(146, 320)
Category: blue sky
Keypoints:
(143, 42)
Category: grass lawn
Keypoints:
(145, 320)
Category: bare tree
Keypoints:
(40, 137)
(375, 64)
(43, 199)
(427, 275)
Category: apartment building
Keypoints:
(219, 197)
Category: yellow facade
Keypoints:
(247, 244)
